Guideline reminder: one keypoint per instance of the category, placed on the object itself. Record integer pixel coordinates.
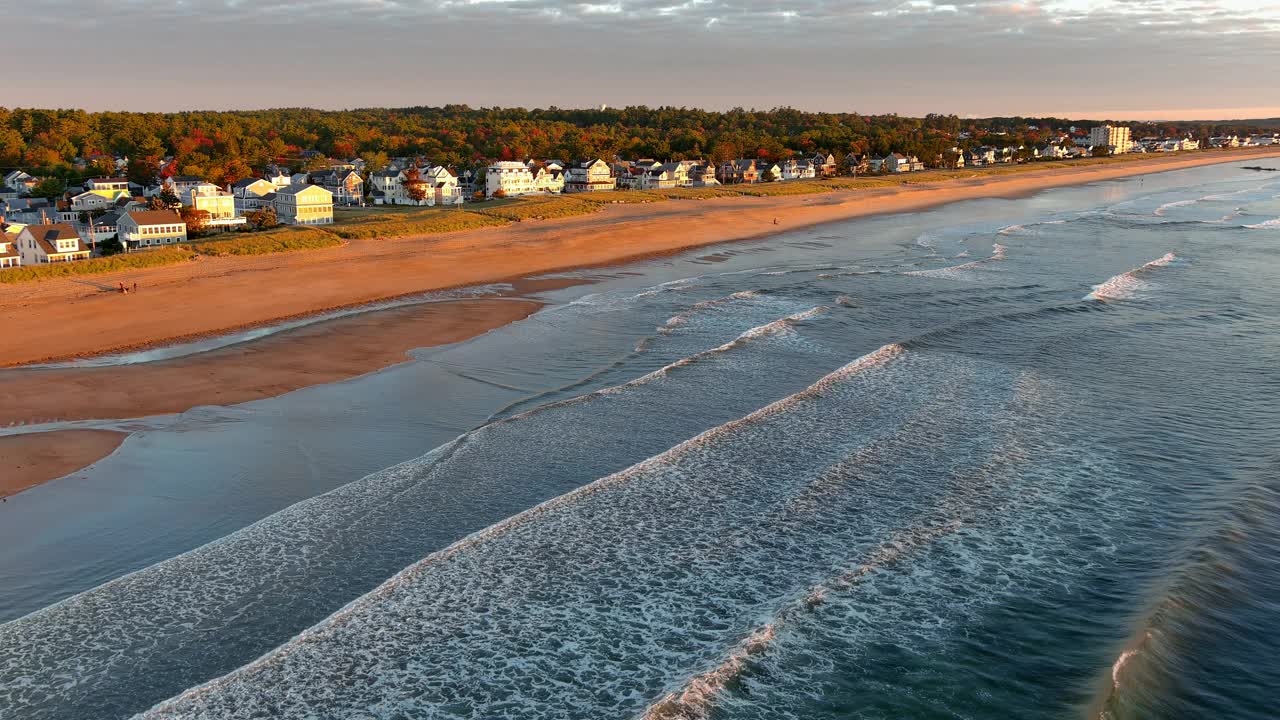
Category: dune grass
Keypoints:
(541, 209)
(424, 222)
(97, 266)
(620, 197)
(281, 239)
(778, 189)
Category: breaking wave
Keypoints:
(1126, 285)
(964, 271)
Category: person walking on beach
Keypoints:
(135, 287)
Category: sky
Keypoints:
(1098, 59)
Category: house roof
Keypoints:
(298, 188)
(46, 235)
(154, 217)
(108, 180)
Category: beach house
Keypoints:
(107, 184)
(19, 181)
(9, 255)
(150, 228)
(445, 189)
(738, 171)
(508, 177)
(703, 175)
(304, 205)
(219, 204)
(39, 244)
(250, 194)
(346, 185)
(548, 179)
(824, 164)
(589, 176)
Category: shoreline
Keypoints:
(61, 320)
(325, 352)
(31, 460)
(317, 354)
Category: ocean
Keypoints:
(1003, 458)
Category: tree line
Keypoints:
(222, 147)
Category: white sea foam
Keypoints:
(964, 271)
(1160, 211)
(1127, 285)
(1011, 229)
(1267, 225)
(685, 316)
(551, 539)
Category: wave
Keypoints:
(684, 317)
(1126, 285)
(1160, 211)
(781, 325)
(962, 272)
(1011, 229)
(695, 698)
(558, 520)
(1267, 225)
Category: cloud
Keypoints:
(910, 56)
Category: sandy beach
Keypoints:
(82, 316)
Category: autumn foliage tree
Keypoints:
(197, 221)
(414, 186)
(263, 218)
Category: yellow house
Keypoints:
(304, 205)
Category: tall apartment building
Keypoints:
(1114, 136)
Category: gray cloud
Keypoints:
(908, 56)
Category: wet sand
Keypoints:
(75, 317)
(325, 352)
(28, 460)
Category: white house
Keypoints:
(107, 184)
(19, 181)
(38, 244)
(279, 177)
(386, 186)
(509, 177)
(589, 176)
(183, 184)
(9, 254)
(445, 189)
(150, 228)
(793, 169)
(304, 205)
